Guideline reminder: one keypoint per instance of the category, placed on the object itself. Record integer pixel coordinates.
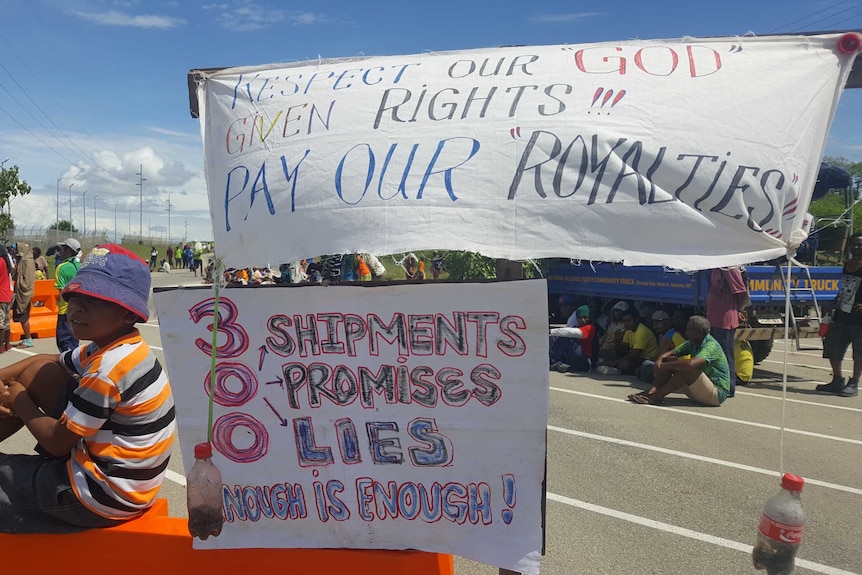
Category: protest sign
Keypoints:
(692, 153)
(389, 417)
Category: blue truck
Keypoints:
(811, 287)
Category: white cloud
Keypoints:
(172, 168)
(247, 16)
(114, 18)
(563, 18)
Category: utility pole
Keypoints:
(58, 201)
(95, 225)
(130, 223)
(169, 221)
(84, 201)
(115, 223)
(141, 214)
(187, 229)
(70, 207)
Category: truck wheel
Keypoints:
(760, 349)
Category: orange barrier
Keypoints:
(156, 543)
(43, 312)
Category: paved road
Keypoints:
(675, 489)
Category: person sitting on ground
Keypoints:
(102, 413)
(704, 378)
(613, 334)
(572, 346)
(668, 338)
(165, 267)
(638, 344)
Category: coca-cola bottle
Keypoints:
(204, 494)
(780, 531)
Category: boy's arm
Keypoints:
(49, 432)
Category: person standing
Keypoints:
(5, 298)
(846, 326)
(726, 302)
(64, 273)
(25, 284)
(41, 264)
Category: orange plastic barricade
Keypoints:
(43, 312)
(156, 543)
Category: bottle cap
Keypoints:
(789, 482)
(205, 451)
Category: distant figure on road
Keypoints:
(25, 284)
(154, 256)
(846, 326)
(68, 268)
(704, 378)
(726, 302)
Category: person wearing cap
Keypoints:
(572, 346)
(103, 413)
(68, 250)
(25, 284)
(668, 338)
(704, 377)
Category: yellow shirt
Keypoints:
(643, 339)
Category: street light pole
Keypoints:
(70, 206)
(95, 225)
(84, 201)
(58, 201)
(169, 220)
(141, 213)
(115, 223)
(130, 223)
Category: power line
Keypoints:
(811, 15)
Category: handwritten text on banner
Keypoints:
(386, 417)
(609, 151)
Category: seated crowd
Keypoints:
(673, 352)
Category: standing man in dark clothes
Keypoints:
(846, 326)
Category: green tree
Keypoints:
(11, 186)
(469, 266)
(63, 226)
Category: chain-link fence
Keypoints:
(44, 238)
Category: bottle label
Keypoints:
(780, 531)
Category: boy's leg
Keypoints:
(47, 384)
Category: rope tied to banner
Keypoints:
(218, 280)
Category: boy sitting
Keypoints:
(104, 435)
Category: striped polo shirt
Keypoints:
(123, 410)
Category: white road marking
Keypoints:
(175, 477)
(696, 457)
(716, 417)
(806, 366)
(683, 532)
(802, 401)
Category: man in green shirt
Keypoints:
(64, 273)
(704, 378)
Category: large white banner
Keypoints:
(405, 417)
(691, 153)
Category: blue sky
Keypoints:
(90, 90)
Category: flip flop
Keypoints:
(645, 399)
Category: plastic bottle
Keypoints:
(781, 526)
(204, 494)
